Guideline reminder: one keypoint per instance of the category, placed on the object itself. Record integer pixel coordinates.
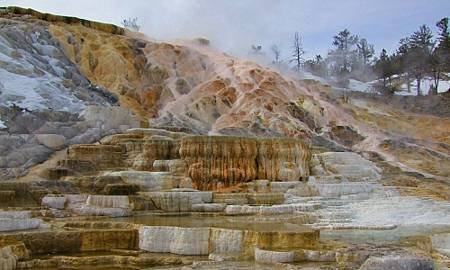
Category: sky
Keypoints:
(234, 25)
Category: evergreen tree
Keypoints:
(365, 51)
(401, 58)
(440, 58)
(317, 66)
(344, 53)
(420, 48)
(384, 67)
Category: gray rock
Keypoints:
(176, 240)
(8, 260)
(52, 141)
(398, 262)
(12, 224)
(178, 201)
(268, 256)
(54, 202)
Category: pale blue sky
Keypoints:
(234, 25)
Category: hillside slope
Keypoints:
(188, 84)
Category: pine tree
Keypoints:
(420, 47)
(317, 66)
(444, 35)
(440, 59)
(365, 51)
(344, 52)
(384, 68)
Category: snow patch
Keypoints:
(2, 124)
(400, 210)
(360, 86)
(309, 76)
(33, 82)
(425, 85)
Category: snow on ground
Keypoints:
(34, 81)
(2, 124)
(424, 87)
(426, 83)
(360, 86)
(305, 75)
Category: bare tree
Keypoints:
(131, 23)
(276, 54)
(298, 52)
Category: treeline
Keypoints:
(417, 57)
(352, 57)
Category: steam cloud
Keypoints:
(233, 26)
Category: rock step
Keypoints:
(206, 240)
(208, 207)
(297, 255)
(268, 256)
(248, 198)
(8, 260)
(44, 242)
(178, 201)
(349, 226)
(270, 210)
(14, 224)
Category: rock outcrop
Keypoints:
(178, 201)
(398, 262)
(216, 162)
(8, 260)
(262, 194)
(176, 240)
(95, 157)
(54, 202)
(282, 159)
(19, 221)
(219, 162)
(268, 256)
(151, 181)
(205, 240)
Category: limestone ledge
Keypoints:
(177, 201)
(19, 221)
(398, 263)
(114, 261)
(270, 210)
(219, 161)
(347, 166)
(105, 27)
(8, 260)
(152, 181)
(54, 202)
(249, 198)
(73, 241)
(267, 256)
(203, 241)
(100, 205)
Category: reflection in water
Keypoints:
(256, 223)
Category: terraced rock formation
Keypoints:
(297, 175)
(220, 162)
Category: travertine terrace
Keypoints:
(121, 152)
